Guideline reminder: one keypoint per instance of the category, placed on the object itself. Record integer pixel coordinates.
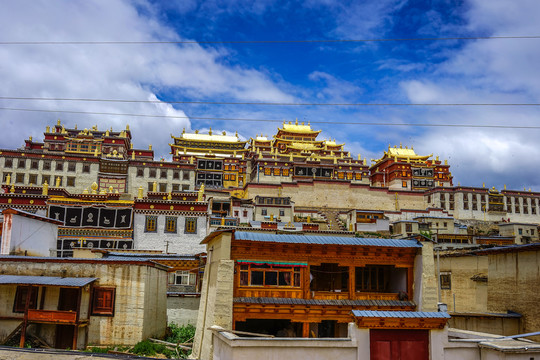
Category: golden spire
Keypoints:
(150, 147)
(45, 190)
(58, 122)
(210, 131)
(48, 129)
(183, 130)
(127, 127)
(58, 181)
(12, 190)
(296, 122)
(140, 193)
(154, 186)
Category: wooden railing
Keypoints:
(52, 316)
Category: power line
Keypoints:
(261, 103)
(275, 120)
(263, 41)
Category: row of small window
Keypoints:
(20, 178)
(264, 212)
(102, 300)
(162, 174)
(171, 225)
(162, 187)
(509, 208)
(272, 200)
(47, 164)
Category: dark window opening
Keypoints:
(20, 298)
(329, 277)
(381, 278)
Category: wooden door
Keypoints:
(399, 344)
(64, 336)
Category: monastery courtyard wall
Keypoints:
(339, 195)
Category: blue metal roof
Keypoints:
(46, 280)
(401, 314)
(324, 240)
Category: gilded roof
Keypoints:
(298, 128)
(209, 138)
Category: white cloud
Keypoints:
(486, 71)
(110, 71)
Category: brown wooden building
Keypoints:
(296, 285)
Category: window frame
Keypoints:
(96, 309)
(171, 226)
(447, 283)
(190, 225)
(19, 303)
(150, 224)
(245, 272)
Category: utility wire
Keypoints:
(275, 120)
(262, 41)
(260, 103)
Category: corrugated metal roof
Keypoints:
(401, 314)
(324, 240)
(46, 280)
(292, 301)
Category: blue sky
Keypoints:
(445, 71)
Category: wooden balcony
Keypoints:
(53, 316)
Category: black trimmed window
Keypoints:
(140, 172)
(71, 166)
(163, 174)
(46, 165)
(446, 280)
(86, 168)
(20, 298)
(150, 223)
(34, 164)
(20, 178)
(8, 163)
(191, 226)
(170, 224)
(21, 164)
(70, 181)
(32, 179)
(103, 301)
(59, 166)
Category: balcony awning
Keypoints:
(45, 280)
(273, 263)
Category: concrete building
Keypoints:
(366, 220)
(523, 233)
(493, 289)
(273, 208)
(71, 303)
(171, 222)
(24, 233)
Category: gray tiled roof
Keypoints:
(401, 314)
(292, 301)
(45, 280)
(324, 240)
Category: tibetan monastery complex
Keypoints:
(294, 163)
(290, 236)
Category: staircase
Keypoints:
(332, 219)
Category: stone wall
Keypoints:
(183, 310)
(470, 295)
(514, 285)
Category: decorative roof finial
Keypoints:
(296, 122)
(210, 131)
